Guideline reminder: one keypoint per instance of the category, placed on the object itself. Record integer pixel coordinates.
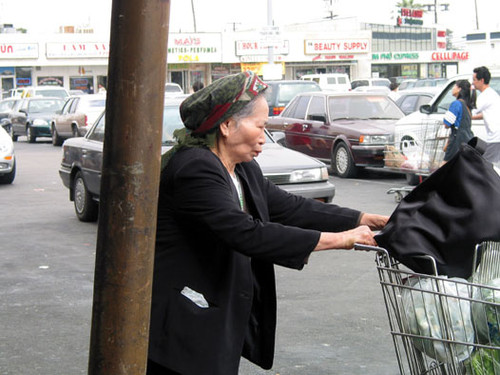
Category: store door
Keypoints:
(179, 77)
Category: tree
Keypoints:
(409, 4)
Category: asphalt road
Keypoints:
(331, 315)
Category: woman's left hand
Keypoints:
(374, 222)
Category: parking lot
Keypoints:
(331, 316)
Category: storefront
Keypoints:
(418, 64)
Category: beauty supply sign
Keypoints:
(336, 46)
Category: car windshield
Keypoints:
(172, 88)
(53, 93)
(288, 91)
(363, 107)
(45, 105)
(92, 104)
(6, 105)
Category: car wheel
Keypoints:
(29, 134)
(85, 207)
(8, 178)
(56, 139)
(342, 163)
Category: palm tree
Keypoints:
(409, 4)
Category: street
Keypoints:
(331, 315)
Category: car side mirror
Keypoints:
(23, 111)
(426, 108)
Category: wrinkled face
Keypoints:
(244, 140)
(478, 84)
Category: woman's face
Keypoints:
(244, 140)
(455, 91)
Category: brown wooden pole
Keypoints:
(129, 187)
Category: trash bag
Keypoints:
(431, 310)
(445, 216)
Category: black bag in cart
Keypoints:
(455, 208)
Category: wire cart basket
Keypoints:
(417, 150)
(439, 325)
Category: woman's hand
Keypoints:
(374, 222)
(346, 240)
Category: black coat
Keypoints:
(207, 243)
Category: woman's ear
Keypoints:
(224, 128)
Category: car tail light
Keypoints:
(277, 110)
(86, 121)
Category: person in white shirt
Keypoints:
(488, 109)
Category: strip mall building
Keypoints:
(78, 61)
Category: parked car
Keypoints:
(350, 130)
(407, 84)
(411, 100)
(76, 117)
(370, 82)
(408, 130)
(430, 82)
(279, 93)
(330, 81)
(31, 117)
(81, 164)
(7, 158)
(51, 91)
(6, 107)
(173, 89)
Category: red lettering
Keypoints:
(6, 49)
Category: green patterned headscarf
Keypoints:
(203, 111)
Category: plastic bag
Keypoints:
(486, 316)
(439, 316)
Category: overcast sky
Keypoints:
(216, 15)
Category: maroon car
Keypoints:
(350, 130)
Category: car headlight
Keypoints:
(6, 148)
(376, 139)
(40, 122)
(309, 175)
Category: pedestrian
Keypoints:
(221, 229)
(488, 109)
(458, 117)
(394, 94)
(197, 85)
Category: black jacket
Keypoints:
(207, 243)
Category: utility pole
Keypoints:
(270, 49)
(129, 187)
(194, 15)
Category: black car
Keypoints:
(31, 117)
(81, 164)
(280, 93)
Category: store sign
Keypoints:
(258, 47)
(77, 50)
(332, 57)
(336, 46)
(450, 56)
(194, 48)
(410, 17)
(18, 50)
(399, 56)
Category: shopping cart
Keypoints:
(443, 326)
(418, 150)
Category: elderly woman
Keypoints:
(221, 229)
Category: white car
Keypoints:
(7, 158)
(410, 129)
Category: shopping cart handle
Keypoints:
(358, 246)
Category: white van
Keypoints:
(330, 81)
